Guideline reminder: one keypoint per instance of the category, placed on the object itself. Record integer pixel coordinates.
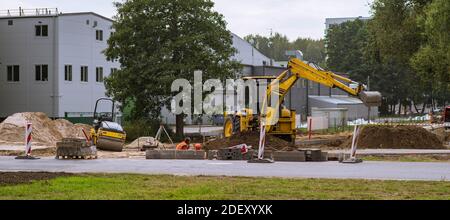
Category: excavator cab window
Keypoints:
(101, 116)
(105, 116)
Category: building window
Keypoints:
(84, 74)
(87, 22)
(99, 74)
(13, 74)
(68, 73)
(41, 30)
(304, 83)
(10, 22)
(113, 70)
(99, 35)
(41, 73)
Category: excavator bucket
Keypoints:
(370, 98)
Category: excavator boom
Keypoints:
(300, 70)
(279, 120)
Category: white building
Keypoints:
(52, 62)
(247, 54)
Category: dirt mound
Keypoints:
(45, 130)
(396, 137)
(251, 139)
(442, 134)
(28, 177)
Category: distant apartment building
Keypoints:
(52, 62)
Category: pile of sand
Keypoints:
(45, 130)
(396, 137)
(250, 139)
(139, 143)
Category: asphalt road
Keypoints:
(334, 170)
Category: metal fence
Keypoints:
(28, 12)
(336, 125)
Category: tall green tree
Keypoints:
(345, 46)
(432, 61)
(313, 50)
(382, 49)
(276, 46)
(159, 41)
(399, 37)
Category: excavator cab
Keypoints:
(107, 134)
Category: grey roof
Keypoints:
(87, 13)
(337, 100)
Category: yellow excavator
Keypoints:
(277, 119)
(106, 134)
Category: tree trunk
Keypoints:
(179, 125)
(423, 108)
(415, 107)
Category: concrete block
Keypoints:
(324, 157)
(289, 156)
(160, 154)
(314, 155)
(230, 154)
(212, 154)
(190, 155)
(173, 154)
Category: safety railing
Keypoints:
(29, 12)
(337, 125)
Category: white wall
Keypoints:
(20, 46)
(247, 54)
(79, 47)
(70, 41)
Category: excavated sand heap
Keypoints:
(251, 139)
(45, 130)
(396, 137)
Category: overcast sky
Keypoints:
(294, 18)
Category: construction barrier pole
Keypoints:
(310, 128)
(262, 141)
(354, 146)
(28, 138)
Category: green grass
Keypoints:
(164, 187)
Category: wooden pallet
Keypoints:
(76, 157)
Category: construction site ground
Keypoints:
(333, 153)
(327, 170)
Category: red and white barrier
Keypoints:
(355, 142)
(28, 138)
(262, 141)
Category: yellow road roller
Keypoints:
(106, 134)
